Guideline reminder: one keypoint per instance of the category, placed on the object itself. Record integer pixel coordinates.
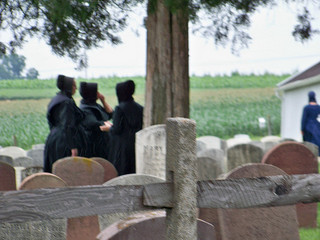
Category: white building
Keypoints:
(293, 93)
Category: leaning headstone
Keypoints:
(110, 171)
(295, 158)
(211, 164)
(54, 229)
(7, 177)
(13, 151)
(78, 171)
(243, 153)
(149, 225)
(151, 151)
(128, 179)
(6, 159)
(268, 223)
(36, 155)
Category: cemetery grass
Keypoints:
(221, 106)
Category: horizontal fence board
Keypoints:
(43, 204)
(244, 193)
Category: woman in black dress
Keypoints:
(96, 116)
(127, 120)
(67, 135)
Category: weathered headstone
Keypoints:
(231, 142)
(78, 171)
(110, 171)
(24, 161)
(149, 225)
(38, 146)
(128, 179)
(295, 158)
(243, 153)
(28, 171)
(265, 146)
(151, 151)
(269, 223)
(212, 142)
(13, 151)
(312, 147)
(36, 155)
(211, 164)
(6, 159)
(7, 177)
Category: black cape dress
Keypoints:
(127, 120)
(66, 130)
(96, 115)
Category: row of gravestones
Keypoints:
(258, 223)
(215, 156)
(82, 171)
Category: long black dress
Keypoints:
(66, 130)
(127, 120)
(96, 115)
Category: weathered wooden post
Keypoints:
(181, 169)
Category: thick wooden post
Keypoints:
(181, 169)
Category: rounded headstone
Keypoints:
(7, 177)
(42, 180)
(110, 171)
(296, 158)
(13, 151)
(149, 225)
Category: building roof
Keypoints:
(304, 75)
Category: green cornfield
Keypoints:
(222, 106)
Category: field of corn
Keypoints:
(222, 106)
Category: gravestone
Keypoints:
(7, 177)
(13, 151)
(271, 139)
(265, 146)
(151, 151)
(295, 158)
(212, 142)
(149, 225)
(268, 223)
(78, 171)
(54, 229)
(110, 171)
(211, 164)
(28, 171)
(38, 146)
(6, 159)
(24, 161)
(231, 142)
(312, 147)
(128, 179)
(36, 155)
(243, 153)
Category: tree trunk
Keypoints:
(167, 81)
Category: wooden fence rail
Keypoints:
(44, 204)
